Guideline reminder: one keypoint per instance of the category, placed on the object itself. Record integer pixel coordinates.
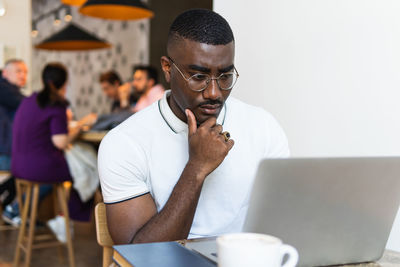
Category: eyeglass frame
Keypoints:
(208, 80)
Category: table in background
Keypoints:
(92, 136)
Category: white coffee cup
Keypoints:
(255, 250)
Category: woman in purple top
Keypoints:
(39, 119)
(41, 134)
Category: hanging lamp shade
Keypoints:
(72, 38)
(73, 2)
(116, 9)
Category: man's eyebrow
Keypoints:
(207, 70)
(199, 68)
(226, 69)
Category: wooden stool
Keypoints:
(26, 240)
(4, 175)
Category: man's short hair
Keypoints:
(152, 72)
(13, 61)
(111, 77)
(201, 25)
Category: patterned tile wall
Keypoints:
(130, 40)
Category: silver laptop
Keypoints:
(333, 210)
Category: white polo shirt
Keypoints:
(149, 150)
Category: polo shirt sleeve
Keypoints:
(58, 121)
(277, 143)
(122, 166)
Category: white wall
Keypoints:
(327, 69)
(15, 29)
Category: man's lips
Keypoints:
(210, 109)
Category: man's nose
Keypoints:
(212, 90)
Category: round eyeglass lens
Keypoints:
(225, 81)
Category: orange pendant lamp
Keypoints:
(73, 2)
(116, 9)
(72, 38)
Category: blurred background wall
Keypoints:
(327, 70)
(15, 32)
(130, 40)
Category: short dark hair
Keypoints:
(203, 26)
(110, 77)
(152, 72)
(54, 76)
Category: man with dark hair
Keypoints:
(172, 171)
(112, 87)
(13, 78)
(145, 84)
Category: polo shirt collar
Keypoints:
(174, 122)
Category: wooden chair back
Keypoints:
(103, 236)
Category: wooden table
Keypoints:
(92, 136)
(389, 259)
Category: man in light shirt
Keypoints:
(145, 83)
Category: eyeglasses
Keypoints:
(199, 81)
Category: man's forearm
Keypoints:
(174, 221)
(207, 149)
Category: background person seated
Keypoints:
(123, 101)
(11, 213)
(145, 83)
(40, 136)
(113, 88)
(13, 77)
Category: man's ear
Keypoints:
(4, 73)
(166, 67)
(152, 83)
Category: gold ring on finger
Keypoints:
(226, 135)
